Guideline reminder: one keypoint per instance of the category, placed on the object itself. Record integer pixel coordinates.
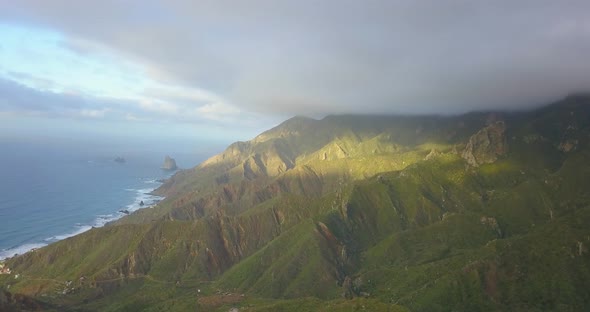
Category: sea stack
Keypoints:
(169, 163)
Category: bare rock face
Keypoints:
(492, 223)
(433, 154)
(486, 145)
(169, 163)
(568, 145)
(347, 291)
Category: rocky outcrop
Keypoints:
(433, 154)
(169, 163)
(486, 145)
(333, 151)
(492, 223)
(568, 145)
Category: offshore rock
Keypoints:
(486, 145)
(169, 163)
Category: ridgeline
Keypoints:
(479, 212)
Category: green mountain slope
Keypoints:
(485, 211)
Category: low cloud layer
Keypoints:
(324, 57)
(158, 105)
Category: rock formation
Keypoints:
(433, 154)
(346, 205)
(568, 145)
(486, 145)
(169, 163)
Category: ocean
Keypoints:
(49, 193)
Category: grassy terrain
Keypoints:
(348, 213)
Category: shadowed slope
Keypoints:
(389, 208)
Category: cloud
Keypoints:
(18, 98)
(191, 107)
(38, 82)
(94, 113)
(314, 58)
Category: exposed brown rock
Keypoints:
(433, 154)
(486, 145)
(568, 145)
(492, 223)
(347, 288)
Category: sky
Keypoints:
(221, 71)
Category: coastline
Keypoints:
(142, 195)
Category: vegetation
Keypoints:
(349, 213)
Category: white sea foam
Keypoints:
(79, 230)
(101, 220)
(145, 196)
(6, 253)
(141, 195)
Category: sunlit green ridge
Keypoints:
(480, 212)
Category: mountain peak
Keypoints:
(402, 207)
(295, 122)
(291, 126)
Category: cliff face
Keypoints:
(353, 206)
(486, 145)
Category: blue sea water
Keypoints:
(49, 193)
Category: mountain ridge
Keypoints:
(388, 210)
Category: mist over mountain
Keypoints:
(484, 211)
(387, 155)
(220, 67)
